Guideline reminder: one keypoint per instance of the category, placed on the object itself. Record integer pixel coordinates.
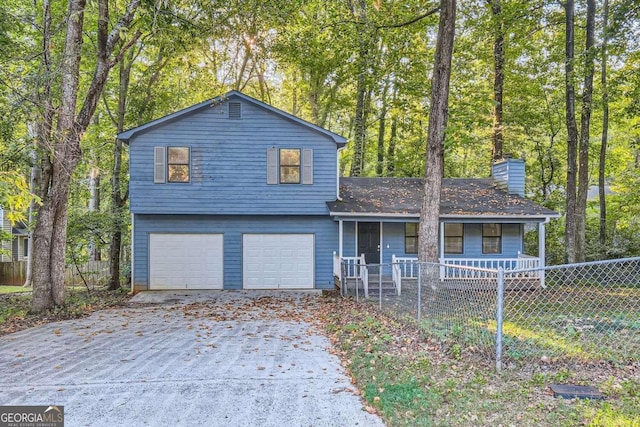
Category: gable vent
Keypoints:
(235, 111)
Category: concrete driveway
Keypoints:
(214, 359)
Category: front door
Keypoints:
(369, 241)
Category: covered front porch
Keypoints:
(482, 228)
(383, 253)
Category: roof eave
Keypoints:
(130, 133)
(445, 216)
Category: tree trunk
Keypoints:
(34, 185)
(359, 11)
(572, 135)
(498, 78)
(357, 166)
(434, 163)
(391, 148)
(118, 200)
(605, 134)
(94, 206)
(381, 131)
(585, 122)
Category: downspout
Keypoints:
(133, 233)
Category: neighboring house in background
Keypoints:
(233, 193)
(17, 246)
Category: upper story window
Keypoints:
(178, 164)
(290, 165)
(491, 238)
(411, 237)
(453, 238)
(171, 164)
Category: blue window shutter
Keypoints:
(159, 165)
(272, 165)
(307, 166)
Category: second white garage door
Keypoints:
(277, 261)
(186, 261)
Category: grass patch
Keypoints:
(8, 289)
(15, 307)
(412, 381)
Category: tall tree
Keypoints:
(602, 229)
(572, 133)
(118, 197)
(434, 162)
(63, 146)
(382, 120)
(367, 34)
(585, 126)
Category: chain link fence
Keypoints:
(585, 312)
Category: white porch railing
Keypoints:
(407, 267)
(522, 262)
(337, 266)
(352, 267)
(450, 268)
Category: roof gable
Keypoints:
(178, 115)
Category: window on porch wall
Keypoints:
(453, 238)
(491, 238)
(411, 237)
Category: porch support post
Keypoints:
(441, 254)
(355, 246)
(340, 237)
(381, 248)
(541, 250)
(441, 241)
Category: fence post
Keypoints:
(419, 292)
(499, 313)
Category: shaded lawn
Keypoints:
(8, 289)
(412, 381)
(15, 307)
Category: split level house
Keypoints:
(233, 193)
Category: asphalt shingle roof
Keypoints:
(459, 197)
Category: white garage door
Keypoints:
(277, 261)
(185, 261)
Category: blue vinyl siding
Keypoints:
(229, 165)
(349, 239)
(510, 175)
(233, 227)
(511, 242)
(393, 241)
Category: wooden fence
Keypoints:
(13, 273)
(94, 273)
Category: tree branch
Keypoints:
(412, 20)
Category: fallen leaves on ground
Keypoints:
(15, 316)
